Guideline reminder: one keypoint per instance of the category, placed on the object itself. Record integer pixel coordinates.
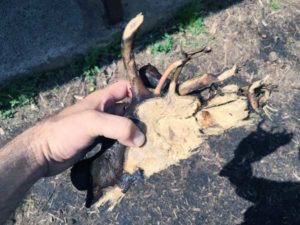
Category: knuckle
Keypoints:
(128, 128)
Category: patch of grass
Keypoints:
(56, 88)
(16, 94)
(190, 15)
(197, 27)
(275, 4)
(90, 77)
(4, 114)
(83, 63)
(191, 18)
(165, 45)
(93, 57)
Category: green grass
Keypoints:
(191, 18)
(275, 4)
(164, 46)
(82, 63)
(90, 77)
(194, 24)
(56, 88)
(14, 95)
(197, 27)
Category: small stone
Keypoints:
(273, 57)
(148, 51)
(34, 107)
(264, 36)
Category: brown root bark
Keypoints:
(139, 90)
(204, 81)
(179, 63)
(196, 83)
(256, 96)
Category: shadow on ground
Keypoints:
(274, 202)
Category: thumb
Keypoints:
(114, 127)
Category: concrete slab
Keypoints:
(38, 35)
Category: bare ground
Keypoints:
(246, 176)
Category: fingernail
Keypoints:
(138, 138)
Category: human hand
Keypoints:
(59, 142)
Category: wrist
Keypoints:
(34, 145)
(21, 165)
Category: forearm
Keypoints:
(19, 170)
(56, 144)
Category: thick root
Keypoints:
(179, 63)
(204, 81)
(139, 91)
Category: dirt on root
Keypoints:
(245, 176)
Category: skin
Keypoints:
(57, 143)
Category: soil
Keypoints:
(245, 176)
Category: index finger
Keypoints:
(113, 93)
(98, 99)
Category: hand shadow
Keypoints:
(274, 202)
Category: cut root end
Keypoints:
(133, 26)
